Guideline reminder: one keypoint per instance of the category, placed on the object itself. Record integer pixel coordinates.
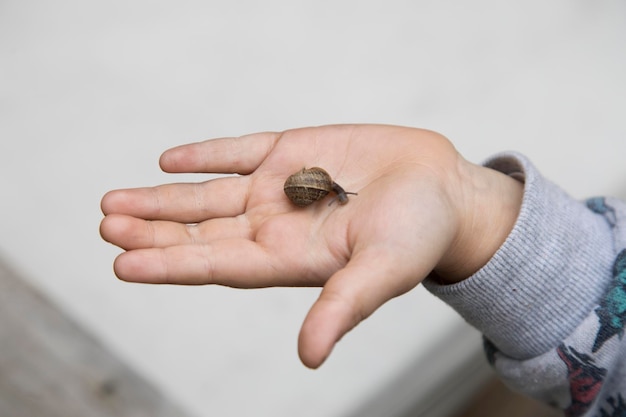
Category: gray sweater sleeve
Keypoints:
(551, 303)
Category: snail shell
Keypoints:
(310, 185)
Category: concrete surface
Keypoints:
(51, 367)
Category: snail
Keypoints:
(310, 185)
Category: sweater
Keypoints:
(551, 302)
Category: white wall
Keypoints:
(91, 93)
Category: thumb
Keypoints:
(349, 297)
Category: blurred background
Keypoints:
(91, 93)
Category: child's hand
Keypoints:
(420, 208)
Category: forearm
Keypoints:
(546, 262)
(488, 204)
(537, 300)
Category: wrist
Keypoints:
(487, 204)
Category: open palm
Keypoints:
(242, 231)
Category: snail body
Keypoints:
(310, 185)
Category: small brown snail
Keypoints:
(310, 185)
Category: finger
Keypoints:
(219, 262)
(130, 233)
(350, 295)
(225, 155)
(186, 203)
